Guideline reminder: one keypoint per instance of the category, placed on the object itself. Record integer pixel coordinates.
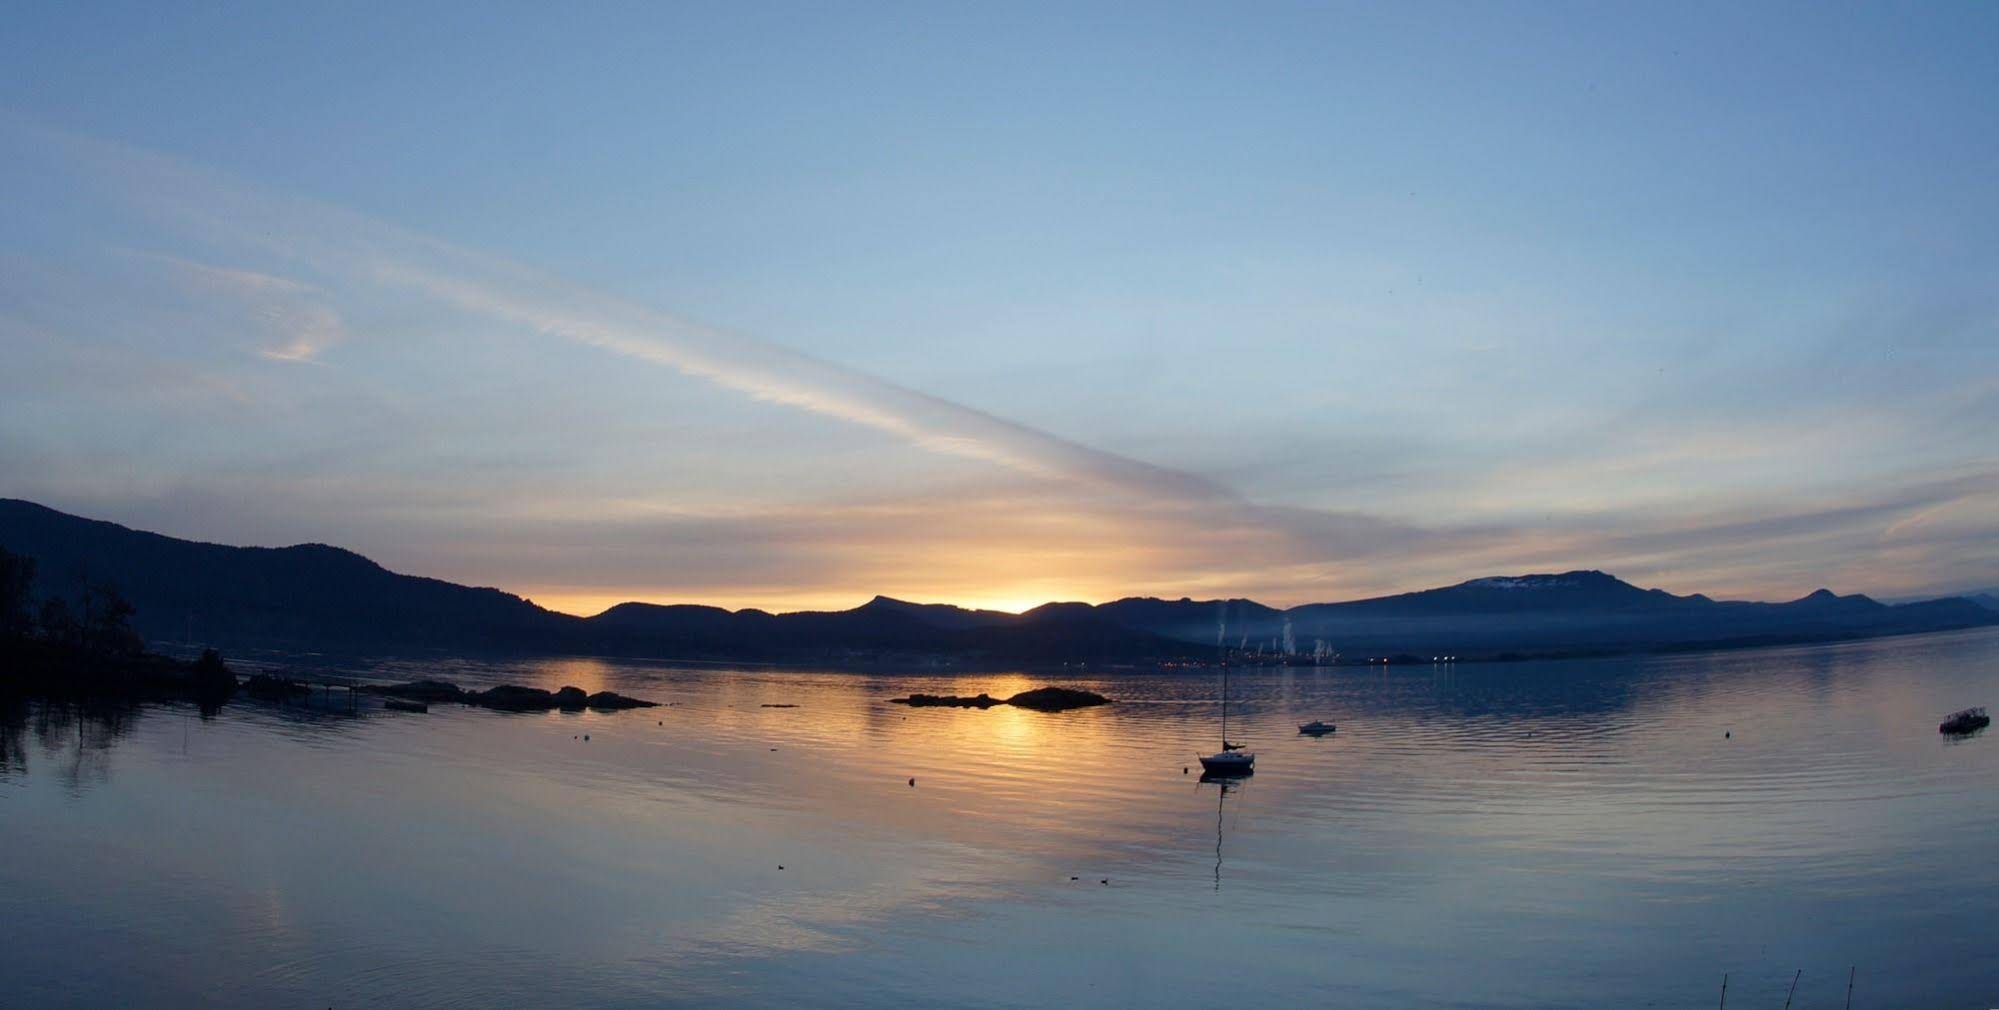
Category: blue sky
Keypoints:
(786, 306)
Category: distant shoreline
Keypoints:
(319, 598)
(281, 657)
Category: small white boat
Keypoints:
(1316, 728)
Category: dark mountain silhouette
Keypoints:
(1202, 621)
(310, 593)
(1579, 611)
(882, 627)
(326, 599)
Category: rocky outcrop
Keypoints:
(948, 701)
(512, 697)
(1057, 699)
(1041, 699)
(422, 690)
(607, 700)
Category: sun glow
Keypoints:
(1009, 604)
(587, 603)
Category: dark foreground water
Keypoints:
(1573, 834)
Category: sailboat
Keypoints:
(1232, 760)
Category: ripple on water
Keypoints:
(1533, 834)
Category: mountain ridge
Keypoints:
(326, 597)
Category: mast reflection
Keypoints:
(1224, 784)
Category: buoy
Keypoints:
(1106, 881)
(912, 782)
(1729, 735)
(780, 866)
(586, 738)
(1073, 878)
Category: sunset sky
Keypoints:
(786, 306)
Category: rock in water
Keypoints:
(1056, 699)
(1041, 699)
(514, 698)
(948, 701)
(607, 700)
(422, 690)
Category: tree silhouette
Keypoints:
(107, 621)
(58, 623)
(17, 586)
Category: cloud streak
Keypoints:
(1069, 513)
(359, 250)
(297, 323)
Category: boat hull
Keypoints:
(1229, 764)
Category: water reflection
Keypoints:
(1468, 835)
(76, 738)
(1223, 784)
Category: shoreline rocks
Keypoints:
(1057, 699)
(512, 697)
(947, 701)
(1040, 699)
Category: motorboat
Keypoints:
(1316, 728)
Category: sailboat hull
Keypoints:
(1229, 763)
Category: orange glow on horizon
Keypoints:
(588, 604)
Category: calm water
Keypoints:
(1574, 834)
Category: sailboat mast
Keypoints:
(1225, 700)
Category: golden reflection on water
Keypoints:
(587, 672)
(1459, 825)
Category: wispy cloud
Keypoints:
(297, 323)
(1068, 513)
(354, 249)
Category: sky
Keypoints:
(789, 305)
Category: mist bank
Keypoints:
(315, 597)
